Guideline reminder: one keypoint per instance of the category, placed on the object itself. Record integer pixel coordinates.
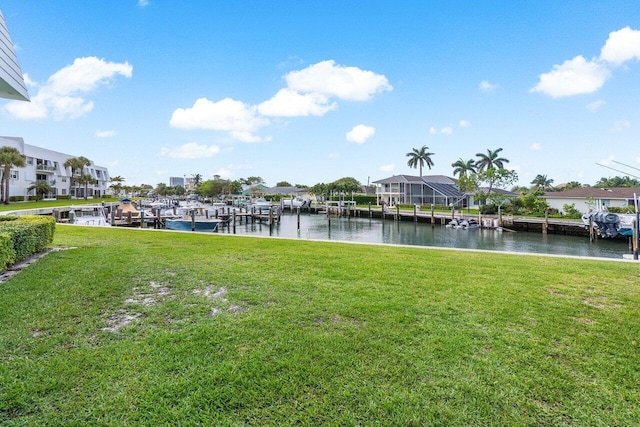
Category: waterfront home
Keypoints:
(592, 199)
(426, 190)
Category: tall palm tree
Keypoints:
(462, 167)
(419, 158)
(9, 157)
(117, 184)
(77, 165)
(490, 160)
(85, 179)
(541, 182)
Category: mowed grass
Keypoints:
(230, 330)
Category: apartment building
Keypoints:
(48, 165)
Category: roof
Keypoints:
(284, 190)
(11, 81)
(427, 179)
(594, 192)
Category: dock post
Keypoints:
(298, 213)
(433, 218)
(234, 222)
(397, 218)
(129, 217)
(141, 219)
(415, 212)
(545, 225)
(635, 237)
(193, 220)
(369, 210)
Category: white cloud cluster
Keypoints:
(191, 150)
(582, 76)
(62, 96)
(105, 133)
(235, 117)
(595, 105)
(448, 130)
(620, 126)
(535, 147)
(485, 86)
(310, 92)
(360, 133)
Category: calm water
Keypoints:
(316, 227)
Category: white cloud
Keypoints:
(535, 147)
(620, 126)
(349, 83)
(28, 81)
(289, 103)
(621, 46)
(105, 133)
(360, 133)
(143, 3)
(229, 115)
(485, 86)
(60, 96)
(387, 168)
(574, 77)
(595, 105)
(190, 150)
(433, 130)
(446, 130)
(464, 124)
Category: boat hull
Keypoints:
(187, 225)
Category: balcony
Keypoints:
(46, 168)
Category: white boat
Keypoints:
(608, 224)
(88, 215)
(463, 224)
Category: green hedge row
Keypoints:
(23, 236)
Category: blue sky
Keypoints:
(313, 91)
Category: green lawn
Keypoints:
(135, 327)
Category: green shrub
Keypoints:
(7, 253)
(28, 235)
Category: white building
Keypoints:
(174, 181)
(48, 165)
(11, 81)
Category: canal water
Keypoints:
(364, 230)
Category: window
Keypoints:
(30, 161)
(64, 179)
(64, 191)
(14, 175)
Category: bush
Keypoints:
(27, 235)
(570, 211)
(7, 253)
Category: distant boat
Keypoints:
(463, 224)
(93, 215)
(187, 224)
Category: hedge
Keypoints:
(23, 236)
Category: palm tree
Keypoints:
(9, 157)
(42, 187)
(542, 183)
(490, 160)
(86, 180)
(77, 165)
(117, 184)
(419, 158)
(462, 167)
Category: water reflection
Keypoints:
(318, 227)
